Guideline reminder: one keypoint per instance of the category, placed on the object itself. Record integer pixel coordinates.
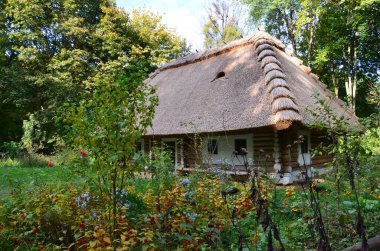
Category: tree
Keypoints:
(33, 138)
(339, 40)
(223, 23)
(278, 17)
(108, 125)
(347, 49)
(55, 51)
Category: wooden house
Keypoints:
(250, 94)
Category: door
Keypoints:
(170, 147)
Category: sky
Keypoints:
(185, 16)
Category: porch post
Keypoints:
(276, 153)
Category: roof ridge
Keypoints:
(284, 108)
(206, 54)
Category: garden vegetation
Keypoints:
(75, 105)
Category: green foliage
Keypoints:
(338, 39)
(40, 214)
(10, 149)
(346, 137)
(371, 141)
(161, 171)
(158, 44)
(34, 137)
(29, 160)
(222, 25)
(48, 209)
(53, 52)
(351, 161)
(108, 125)
(278, 18)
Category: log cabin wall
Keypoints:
(289, 136)
(289, 155)
(263, 139)
(317, 138)
(190, 155)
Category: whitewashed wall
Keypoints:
(226, 145)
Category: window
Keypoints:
(139, 149)
(304, 156)
(241, 144)
(212, 146)
(304, 144)
(139, 146)
(220, 75)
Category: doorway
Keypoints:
(170, 146)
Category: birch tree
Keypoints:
(223, 23)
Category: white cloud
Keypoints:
(183, 16)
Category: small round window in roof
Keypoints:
(219, 75)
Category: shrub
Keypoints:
(10, 149)
(106, 127)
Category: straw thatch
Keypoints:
(277, 82)
(281, 92)
(249, 83)
(271, 66)
(265, 53)
(280, 101)
(283, 103)
(269, 59)
(273, 75)
(262, 47)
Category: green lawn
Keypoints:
(16, 178)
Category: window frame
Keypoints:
(304, 155)
(214, 151)
(239, 150)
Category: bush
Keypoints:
(191, 212)
(30, 160)
(10, 150)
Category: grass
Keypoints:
(33, 160)
(13, 179)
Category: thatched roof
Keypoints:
(248, 83)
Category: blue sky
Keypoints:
(185, 16)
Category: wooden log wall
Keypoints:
(191, 153)
(317, 138)
(289, 136)
(263, 139)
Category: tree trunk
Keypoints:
(310, 46)
(290, 30)
(336, 89)
(354, 81)
(351, 80)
